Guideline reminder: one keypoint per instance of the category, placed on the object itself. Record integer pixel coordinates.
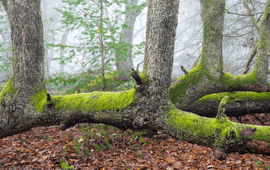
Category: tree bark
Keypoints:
(237, 108)
(207, 77)
(150, 104)
(27, 74)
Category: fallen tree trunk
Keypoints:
(236, 107)
(219, 133)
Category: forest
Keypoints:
(98, 110)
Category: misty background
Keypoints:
(239, 37)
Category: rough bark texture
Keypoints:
(153, 94)
(25, 103)
(27, 74)
(152, 97)
(263, 49)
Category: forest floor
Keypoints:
(98, 146)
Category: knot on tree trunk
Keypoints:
(50, 105)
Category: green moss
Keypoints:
(234, 96)
(233, 81)
(39, 100)
(197, 125)
(201, 125)
(97, 83)
(8, 89)
(241, 80)
(178, 91)
(143, 77)
(182, 120)
(264, 38)
(95, 101)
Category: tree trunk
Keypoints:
(149, 104)
(27, 75)
(208, 78)
(235, 108)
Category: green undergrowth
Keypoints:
(90, 83)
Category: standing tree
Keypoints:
(241, 103)
(150, 104)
